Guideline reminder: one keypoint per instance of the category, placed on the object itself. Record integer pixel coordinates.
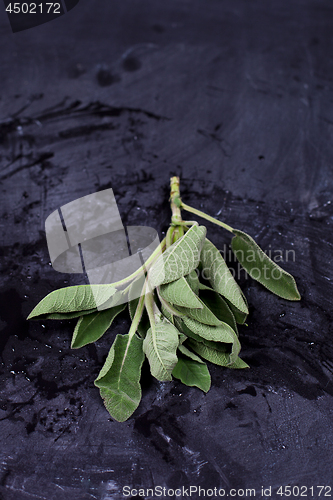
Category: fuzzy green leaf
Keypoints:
(180, 293)
(218, 307)
(64, 316)
(160, 346)
(189, 354)
(239, 364)
(72, 299)
(217, 272)
(193, 280)
(204, 287)
(91, 327)
(218, 357)
(219, 346)
(182, 339)
(119, 379)
(218, 334)
(167, 314)
(261, 268)
(203, 315)
(192, 373)
(221, 333)
(174, 311)
(239, 316)
(179, 259)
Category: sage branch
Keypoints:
(187, 314)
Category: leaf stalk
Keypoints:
(177, 204)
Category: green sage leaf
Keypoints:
(203, 315)
(119, 379)
(239, 364)
(174, 311)
(204, 287)
(64, 316)
(179, 259)
(192, 373)
(180, 293)
(160, 346)
(189, 354)
(218, 307)
(239, 316)
(72, 299)
(221, 333)
(91, 327)
(217, 272)
(182, 339)
(261, 268)
(218, 357)
(193, 280)
(219, 346)
(167, 314)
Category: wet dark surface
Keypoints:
(236, 98)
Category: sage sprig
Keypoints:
(187, 312)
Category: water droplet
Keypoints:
(282, 314)
(28, 277)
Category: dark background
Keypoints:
(236, 97)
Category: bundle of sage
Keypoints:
(187, 310)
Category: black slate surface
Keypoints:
(236, 98)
